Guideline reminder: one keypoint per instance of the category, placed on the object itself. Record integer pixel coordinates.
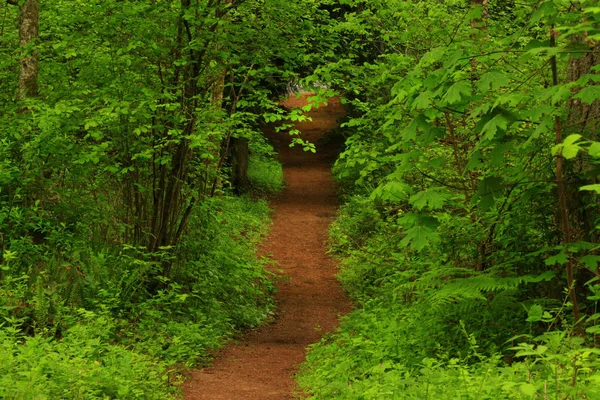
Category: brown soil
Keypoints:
(262, 364)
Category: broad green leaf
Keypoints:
(588, 94)
(456, 92)
(90, 124)
(594, 330)
(422, 101)
(431, 198)
(433, 56)
(475, 161)
(392, 191)
(546, 9)
(591, 188)
(453, 58)
(410, 132)
(594, 149)
(492, 80)
(535, 313)
(498, 153)
(555, 94)
(546, 51)
(418, 237)
(569, 148)
(488, 190)
(590, 261)
(498, 122)
(563, 94)
(510, 99)
(560, 258)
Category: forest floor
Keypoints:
(261, 365)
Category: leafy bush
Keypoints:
(264, 170)
(84, 364)
(376, 355)
(101, 334)
(266, 175)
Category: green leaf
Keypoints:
(535, 313)
(492, 80)
(588, 94)
(546, 51)
(430, 198)
(498, 153)
(90, 124)
(569, 148)
(555, 94)
(410, 133)
(392, 191)
(456, 92)
(546, 9)
(593, 329)
(590, 261)
(422, 101)
(488, 190)
(498, 122)
(594, 149)
(452, 58)
(560, 258)
(563, 93)
(475, 161)
(418, 237)
(433, 56)
(591, 188)
(420, 230)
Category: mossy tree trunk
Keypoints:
(28, 63)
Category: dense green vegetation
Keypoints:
(133, 173)
(133, 167)
(469, 232)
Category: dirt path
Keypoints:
(262, 364)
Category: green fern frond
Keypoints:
(443, 286)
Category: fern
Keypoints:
(445, 285)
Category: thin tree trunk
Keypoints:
(562, 193)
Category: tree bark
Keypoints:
(582, 115)
(28, 63)
(239, 165)
(562, 194)
(584, 119)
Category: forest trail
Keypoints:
(261, 365)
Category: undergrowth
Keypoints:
(99, 333)
(264, 171)
(425, 330)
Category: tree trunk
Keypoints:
(562, 193)
(239, 165)
(582, 115)
(28, 63)
(583, 119)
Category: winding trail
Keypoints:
(262, 364)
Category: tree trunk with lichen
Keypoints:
(28, 62)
